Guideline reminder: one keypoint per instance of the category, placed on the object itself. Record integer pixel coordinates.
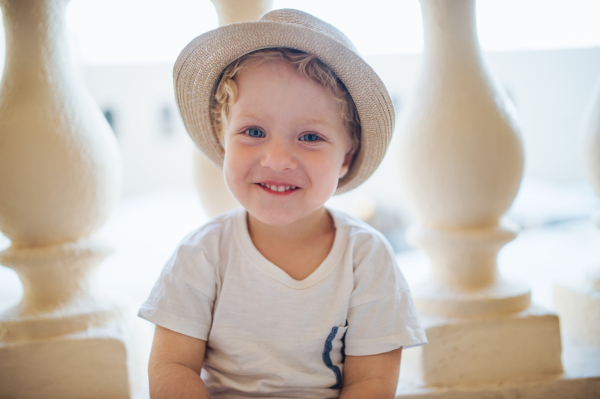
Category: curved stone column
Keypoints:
(579, 303)
(232, 11)
(210, 184)
(60, 178)
(461, 164)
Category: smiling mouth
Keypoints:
(276, 188)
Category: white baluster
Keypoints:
(210, 184)
(231, 11)
(461, 163)
(579, 303)
(60, 178)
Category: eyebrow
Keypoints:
(305, 121)
(250, 115)
(312, 121)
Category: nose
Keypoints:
(279, 156)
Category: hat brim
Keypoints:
(200, 65)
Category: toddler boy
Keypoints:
(282, 298)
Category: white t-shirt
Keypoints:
(269, 335)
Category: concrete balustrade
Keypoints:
(461, 163)
(59, 181)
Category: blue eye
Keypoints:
(255, 132)
(311, 137)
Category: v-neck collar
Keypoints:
(264, 265)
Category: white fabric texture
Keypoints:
(269, 335)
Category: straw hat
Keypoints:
(200, 64)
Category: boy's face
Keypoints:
(285, 143)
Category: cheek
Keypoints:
(236, 165)
(326, 170)
(229, 168)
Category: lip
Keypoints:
(278, 184)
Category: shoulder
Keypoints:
(213, 229)
(375, 269)
(364, 241)
(204, 244)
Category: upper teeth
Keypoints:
(278, 188)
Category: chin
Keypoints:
(274, 218)
(280, 216)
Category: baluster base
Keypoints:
(94, 363)
(487, 349)
(579, 309)
(581, 380)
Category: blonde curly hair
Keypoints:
(308, 65)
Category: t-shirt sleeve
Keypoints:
(182, 299)
(381, 316)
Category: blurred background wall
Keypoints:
(545, 53)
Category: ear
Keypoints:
(347, 162)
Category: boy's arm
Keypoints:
(175, 364)
(371, 377)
